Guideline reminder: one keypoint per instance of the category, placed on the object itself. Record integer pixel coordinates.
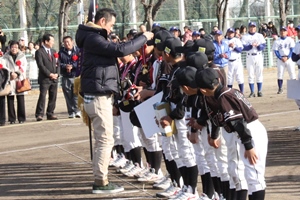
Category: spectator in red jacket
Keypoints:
(291, 30)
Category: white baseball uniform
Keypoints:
(297, 52)
(235, 66)
(283, 48)
(254, 59)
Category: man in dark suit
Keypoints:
(48, 78)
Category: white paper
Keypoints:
(146, 115)
(293, 89)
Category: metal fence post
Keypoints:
(270, 53)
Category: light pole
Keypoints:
(181, 13)
(23, 20)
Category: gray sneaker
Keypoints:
(109, 188)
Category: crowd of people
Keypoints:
(47, 66)
(218, 134)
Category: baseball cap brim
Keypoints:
(150, 42)
(128, 105)
(185, 49)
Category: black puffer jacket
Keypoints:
(99, 69)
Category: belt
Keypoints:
(253, 54)
(232, 60)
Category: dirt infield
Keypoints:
(51, 159)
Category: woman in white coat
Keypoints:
(15, 62)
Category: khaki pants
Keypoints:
(224, 71)
(100, 113)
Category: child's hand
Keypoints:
(165, 121)
(251, 156)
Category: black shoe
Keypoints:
(251, 95)
(12, 122)
(52, 117)
(280, 91)
(39, 118)
(259, 94)
(2, 124)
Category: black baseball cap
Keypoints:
(186, 76)
(159, 37)
(128, 105)
(207, 78)
(132, 32)
(201, 45)
(196, 59)
(169, 45)
(186, 47)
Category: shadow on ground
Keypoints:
(283, 148)
(62, 181)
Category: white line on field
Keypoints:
(43, 147)
(278, 113)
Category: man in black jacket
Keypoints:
(48, 78)
(99, 83)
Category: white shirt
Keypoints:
(297, 51)
(283, 46)
(236, 43)
(249, 39)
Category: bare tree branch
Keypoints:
(156, 8)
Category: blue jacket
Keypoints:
(100, 73)
(65, 59)
(223, 48)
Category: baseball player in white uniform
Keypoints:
(238, 117)
(283, 49)
(296, 58)
(254, 43)
(235, 66)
